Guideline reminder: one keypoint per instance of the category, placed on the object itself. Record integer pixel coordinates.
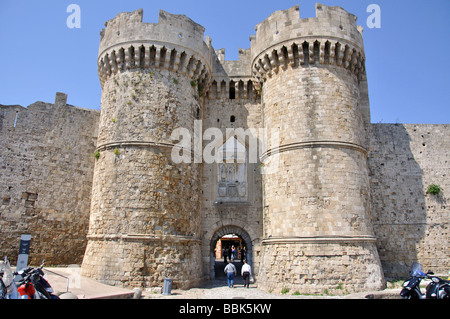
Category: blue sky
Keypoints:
(407, 59)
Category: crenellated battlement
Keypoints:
(309, 51)
(284, 39)
(175, 44)
(142, 56)
(233, 88)
(232, 79)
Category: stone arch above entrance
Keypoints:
(231, 229)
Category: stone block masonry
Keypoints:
(47, 160)
(318, 266)
(410, 225)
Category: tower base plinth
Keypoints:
(320, 266)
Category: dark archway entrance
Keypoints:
(223, 239)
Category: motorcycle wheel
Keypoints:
(405, 294)
(42, 291)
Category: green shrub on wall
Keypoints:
(433, 189)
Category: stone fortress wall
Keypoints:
(47, 159)
(409, 224)
(346, 205)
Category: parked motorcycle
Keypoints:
(411, 287)
(33, 285)
(438, 288)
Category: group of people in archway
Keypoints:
(234, 253)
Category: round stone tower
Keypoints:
(145, 208)
(318, 235)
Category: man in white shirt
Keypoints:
(246, 272)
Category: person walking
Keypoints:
(243, 254)
(225, 254)
(246, 272)
(233, 253)
(230, 270)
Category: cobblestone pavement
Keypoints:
(218, 289)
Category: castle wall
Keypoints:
(47, 160)
(410, 225)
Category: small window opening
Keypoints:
(232, 119)
(232, 93)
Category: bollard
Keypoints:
(167, 286)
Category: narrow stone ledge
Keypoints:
(144, 238)
(318, 239)
(313, 144)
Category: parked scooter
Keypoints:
(411, 287)
(438, 288)
(33, 285)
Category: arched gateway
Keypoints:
(213, 236)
